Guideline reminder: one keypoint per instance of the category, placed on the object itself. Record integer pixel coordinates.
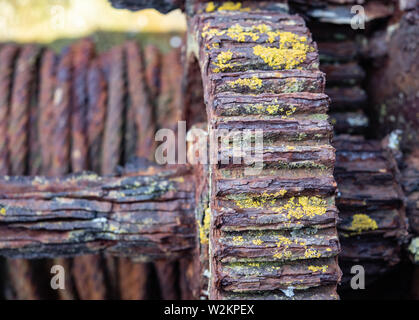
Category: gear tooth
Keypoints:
(273, 231)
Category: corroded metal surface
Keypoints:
(148, 215)
(394, 83)
(371, 209)
(340, 60)
(272, 235)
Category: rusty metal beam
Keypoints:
(146, 216)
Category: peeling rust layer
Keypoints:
(371, 210)
(272, 234)
(144, 216)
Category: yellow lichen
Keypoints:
(205, 227)
(230, 6)
(113, 228)
(283, 241)
(3, 211)
(272, 109)
(210, 7)
(361, 222)
(253, 83)
(238, 33)
(303, 207)
(262, 28)
(291, 52)
(291, 110)
(212, 32)
(312, 253)
(278, 255)
(254, 264)
(294, 85)
(248, 203)
(238, 240)
(177, 179)
(295, 207)
(284, 254)
(272, 36)
(257, 242)
(318, 268)
(259, 200)
(287, 254)
(222, 61)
